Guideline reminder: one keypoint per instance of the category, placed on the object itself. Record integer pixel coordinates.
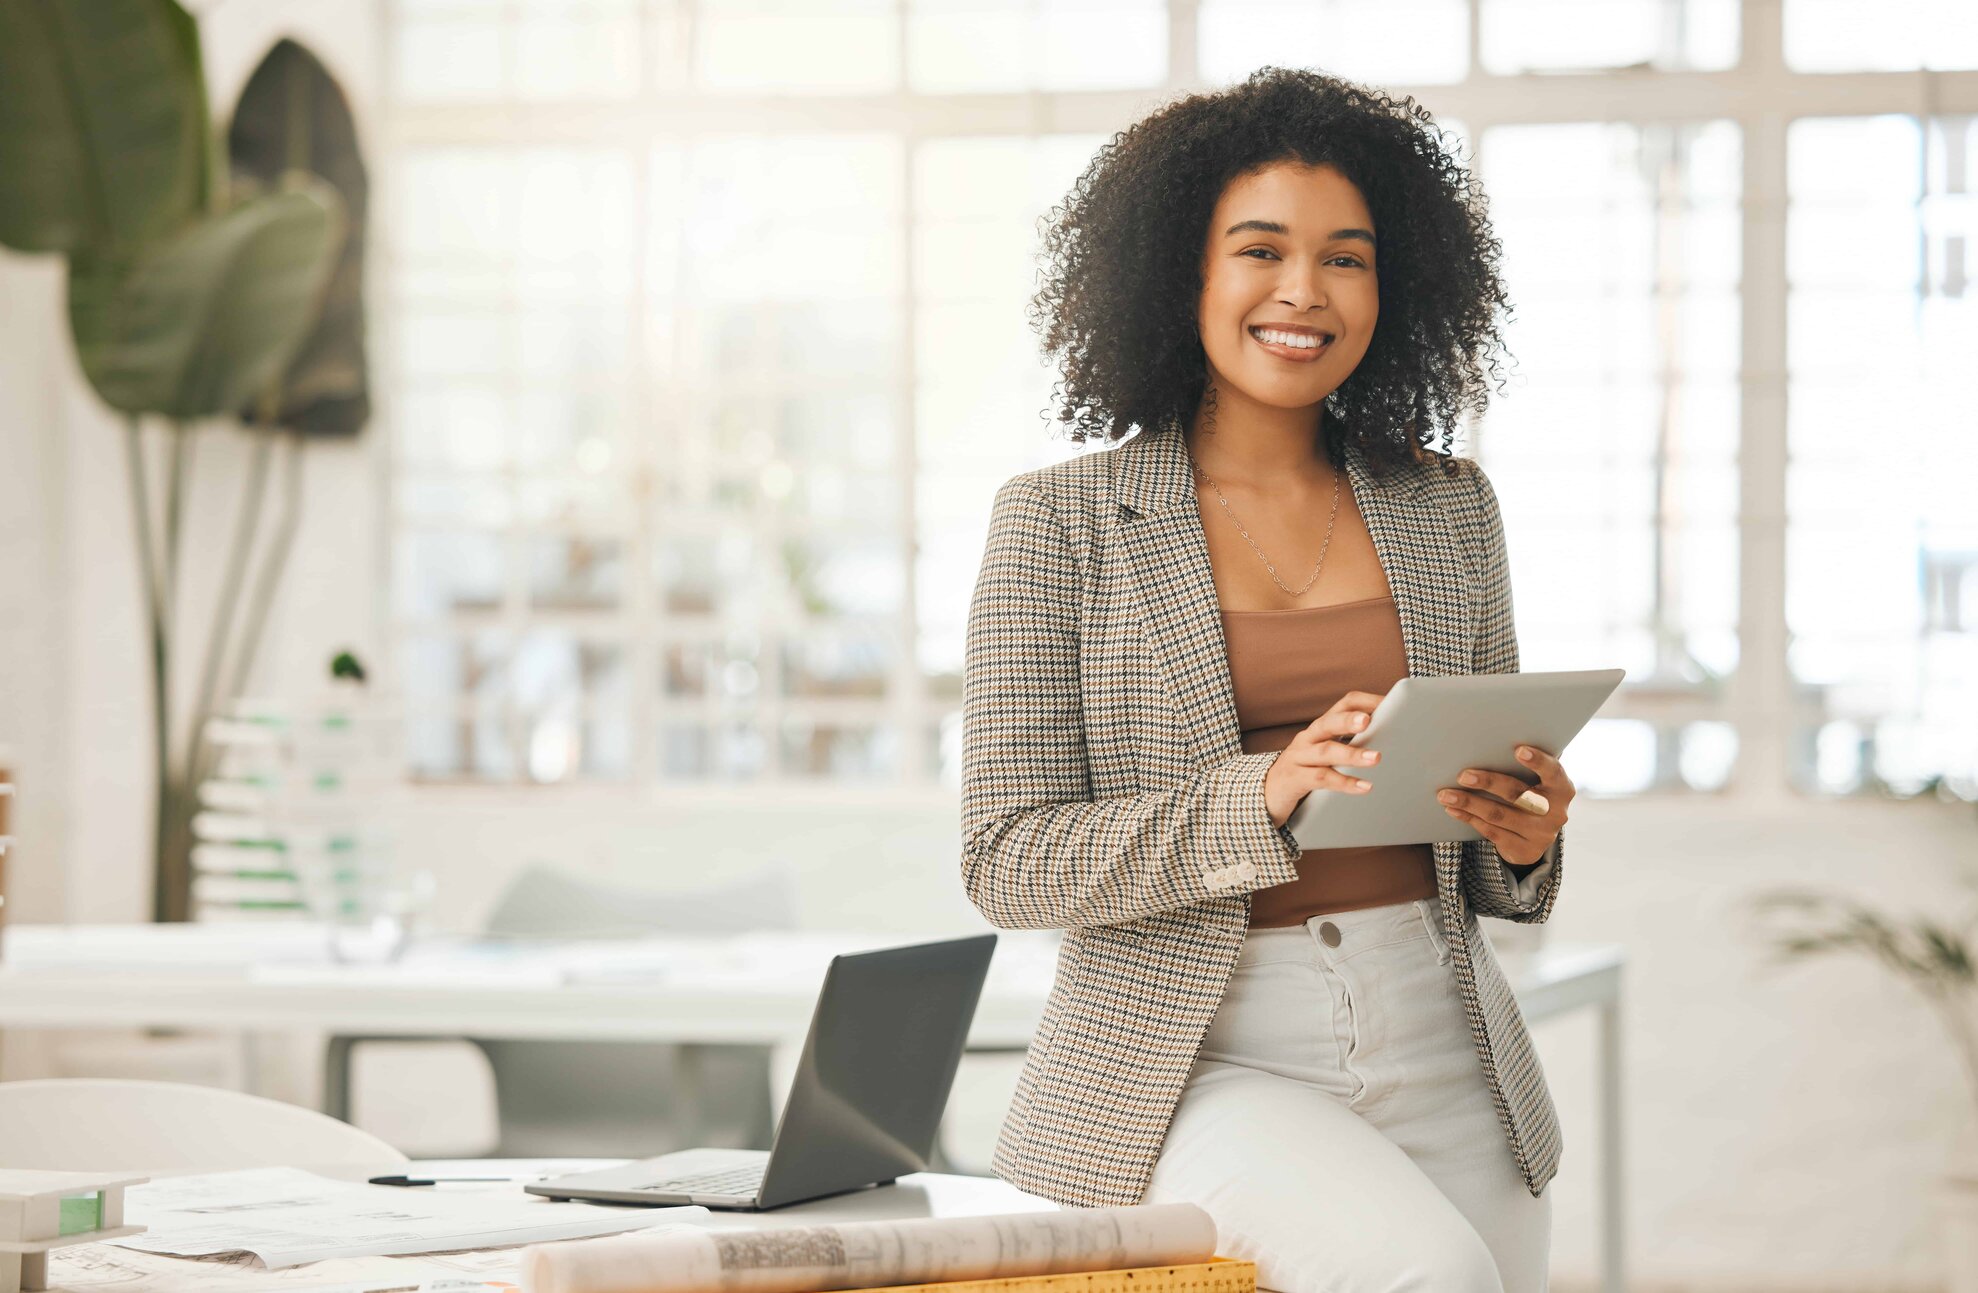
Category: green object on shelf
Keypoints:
(81, 1214)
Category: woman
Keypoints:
(1291, 289)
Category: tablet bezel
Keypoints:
(1428, 731)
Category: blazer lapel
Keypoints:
(1161, 531)
(1426, 570)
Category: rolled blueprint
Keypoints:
(870, 1254)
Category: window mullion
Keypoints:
(1760, 690)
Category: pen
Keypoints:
(435, 1180)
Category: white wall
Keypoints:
(1785, 1131)
(1786, 1127)
(34, 577)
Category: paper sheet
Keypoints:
(871, 1254)
(105, 1268)
(287, 1217)
(90, 1268)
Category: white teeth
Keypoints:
(1296, 339)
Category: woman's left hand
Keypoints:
(1485, 801)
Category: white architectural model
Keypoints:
(44, 1210)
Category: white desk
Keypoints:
(753, 988)
(750, 988)
(921, 1194)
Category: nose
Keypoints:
(1312, 289)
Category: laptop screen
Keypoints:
(884, 1044)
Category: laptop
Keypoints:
(864, 1106)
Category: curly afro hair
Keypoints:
(1123, 264)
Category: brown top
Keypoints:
(1288, 667)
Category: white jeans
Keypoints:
(1337, 1125)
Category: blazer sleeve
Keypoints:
(1493, 886)
(1038, 851)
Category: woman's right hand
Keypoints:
(1315, 757)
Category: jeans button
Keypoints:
(1329, 933)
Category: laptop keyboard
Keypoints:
(734, 1180)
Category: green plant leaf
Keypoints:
(1946, 950)
(103, 126)
(208, 321)
(293, 116)
(1934, 958)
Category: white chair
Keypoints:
(174, 1129)
(561, 1099)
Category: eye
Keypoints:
(1354, 261)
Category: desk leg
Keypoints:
(336, 1076)
(1613, 1277)
(690, 1089)
(253, 1078)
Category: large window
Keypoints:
(1881, 486)
(1615, 450)
(704, 338)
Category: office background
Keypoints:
(698, 350)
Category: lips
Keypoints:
(1295, 354)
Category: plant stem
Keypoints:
(229, 602)
(175, 488)
(272, 566)
(161, 895)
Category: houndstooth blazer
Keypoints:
(1105, 792)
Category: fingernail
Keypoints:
(1525, 752)
(1468, 778)
(1446, 797)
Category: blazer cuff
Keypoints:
(1525, 885)
(1262, 853)
(1497, 890)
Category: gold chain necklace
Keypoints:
(1268, 564)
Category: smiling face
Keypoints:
(1291, 246)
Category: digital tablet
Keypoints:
(1428, 730)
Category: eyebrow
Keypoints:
(1272, 226)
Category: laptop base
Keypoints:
(685, 1176)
